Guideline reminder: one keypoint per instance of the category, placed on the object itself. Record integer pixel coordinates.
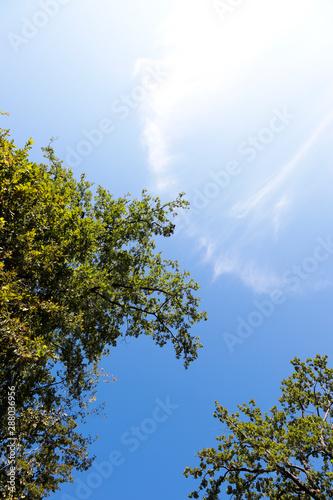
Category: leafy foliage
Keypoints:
(76, 274)
(287, 454)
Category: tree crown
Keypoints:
(77, 272)
(287, 453)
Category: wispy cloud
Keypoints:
(224, 80)
(241, 209)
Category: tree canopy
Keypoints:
(77, 273)
(286, 454)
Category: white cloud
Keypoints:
(241, 209)
(225, 78)
(153, 136)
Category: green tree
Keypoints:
(77, 272)
(286, 454)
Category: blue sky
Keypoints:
(231, 102)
